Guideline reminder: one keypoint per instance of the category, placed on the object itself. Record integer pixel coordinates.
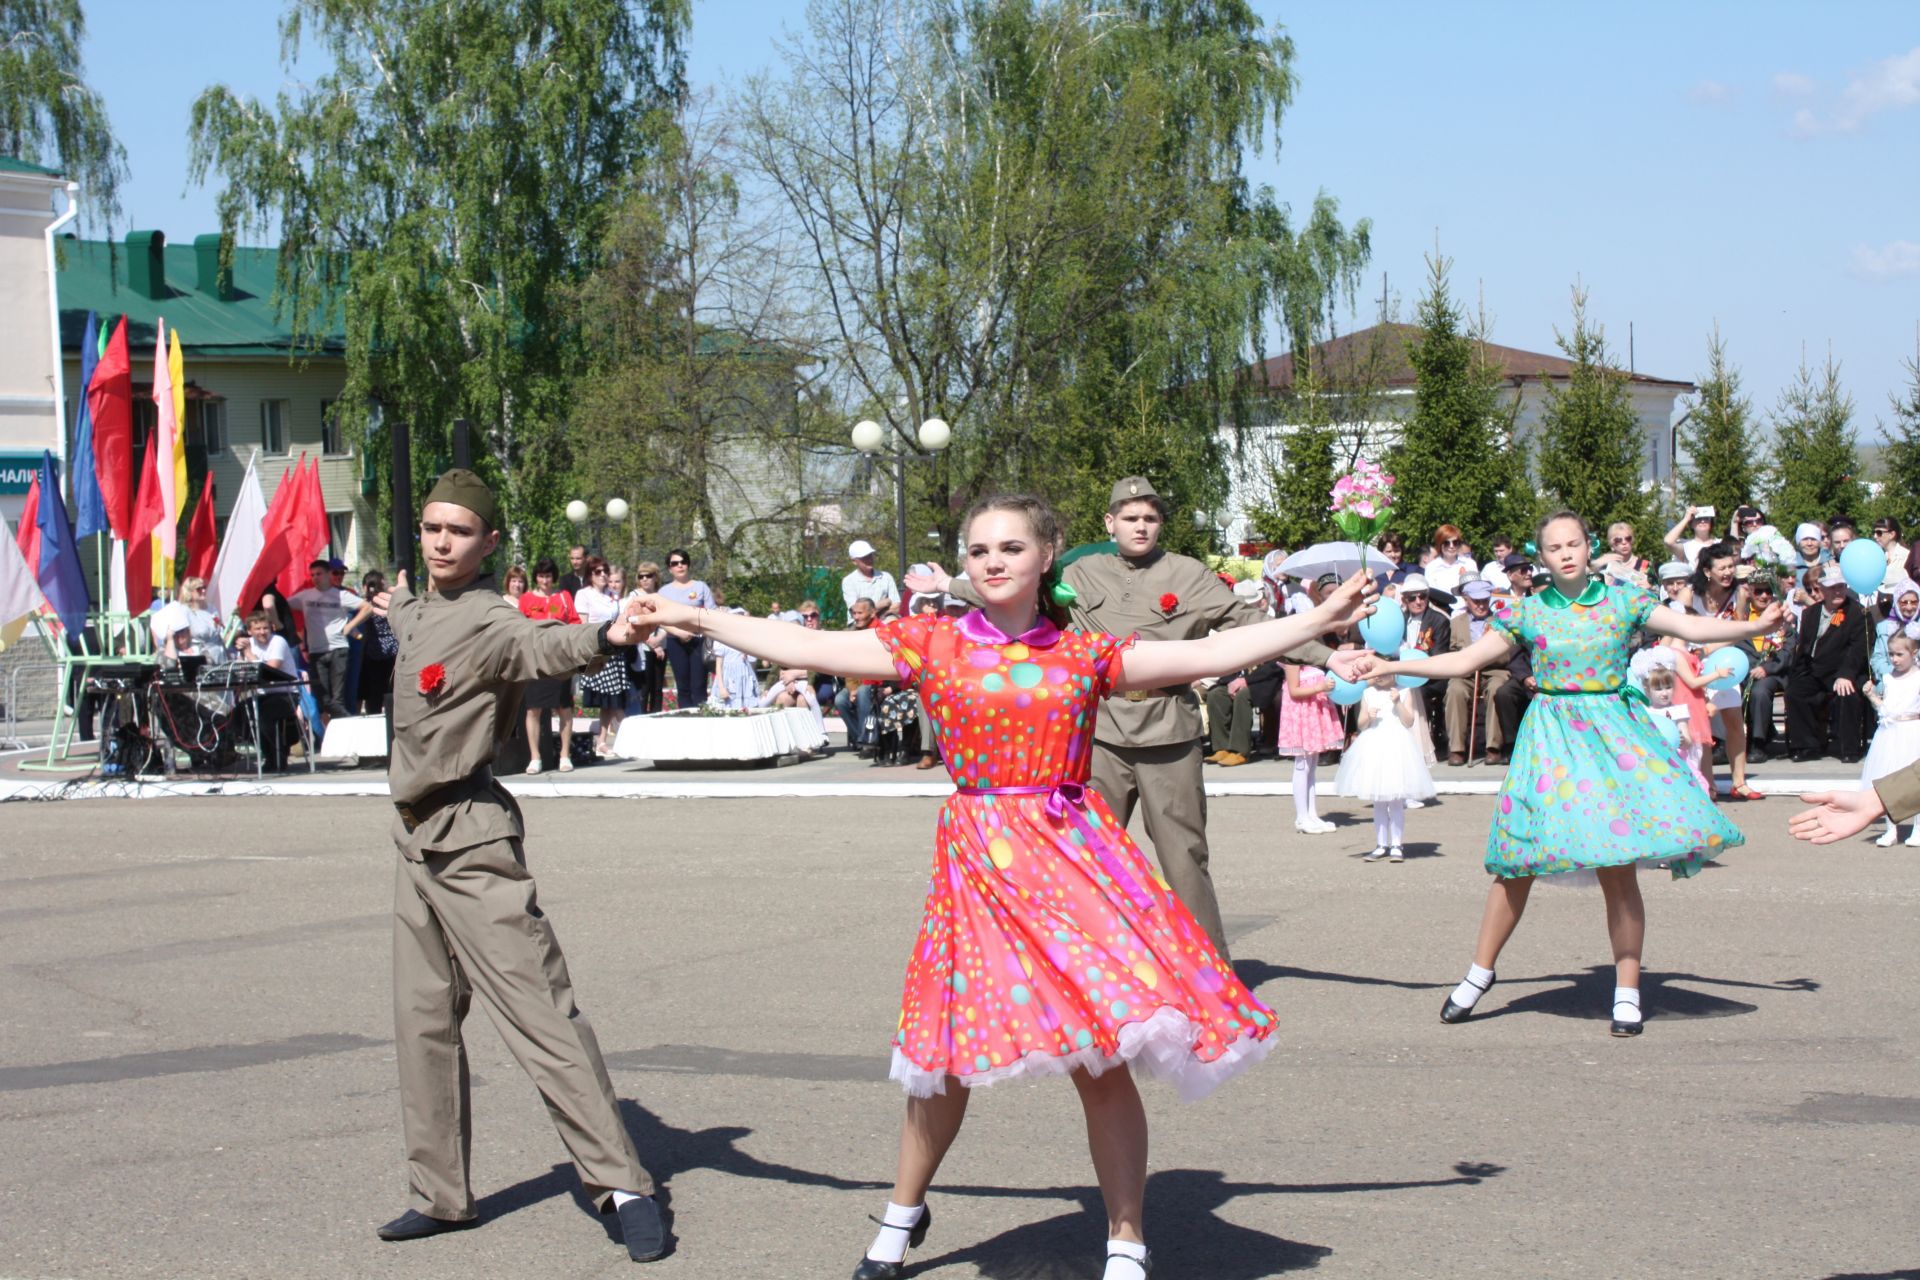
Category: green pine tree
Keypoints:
(1300, 469)
(1721, 469)
(1592, 450)
(1900, 460)
(1451, 465)
(1815, 462)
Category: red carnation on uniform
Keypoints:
(1169, 602)
(433, 677)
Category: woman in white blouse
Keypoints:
(1450, 564)
(605, 689)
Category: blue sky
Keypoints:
(1755, 165)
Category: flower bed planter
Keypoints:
(702, 737)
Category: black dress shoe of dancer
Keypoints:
(1451, 1013)
(1627, 1028)
(414, 1225)
(642, 1229)
(874, 1269)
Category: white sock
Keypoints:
(1381, 826)
(1626, 1004)
(1396, 822)
(1303, 798)
(1913, 836)
(1126, 1260)
(890, 1245)
(1471, 990)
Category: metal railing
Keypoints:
(31, 692)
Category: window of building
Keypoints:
(275, 416)
(333, 437)
(207, 426)
(339, 530)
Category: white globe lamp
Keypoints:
(577, 511)
(618, 510)
(868, 436)
(935, 434)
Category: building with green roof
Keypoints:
(251, 387)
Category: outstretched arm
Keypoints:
(1490, 648)
(857, 655)
(1695, 629)
(1172, 662)
(1679, 531)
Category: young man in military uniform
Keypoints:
(1147, 745)
(466, 917)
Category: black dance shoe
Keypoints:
(414, 1225)
(1145, 1264)
(642, 1229)
(1451, 1013)
(1626, 1029)
(874, 1269)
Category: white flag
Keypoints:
(20, 595)
(246, 538)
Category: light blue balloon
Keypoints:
(1346, 692)
(1385, 630)
(1865, 565)
(1732, 663)
(1407, 680)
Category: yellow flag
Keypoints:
(176, 376)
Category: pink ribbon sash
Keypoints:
(1069, 800)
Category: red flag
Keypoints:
(319, 528)
(110, 401)
(28, 534)
(276, 551)
(147, 515)
(299, 530)
(203, 543)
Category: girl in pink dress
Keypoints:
(1309, 724)
(1049, 945)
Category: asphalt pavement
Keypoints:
(197, 1077)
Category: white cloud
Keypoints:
(1888, 262)
(1712, 93)
(1891, 84)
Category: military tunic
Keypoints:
(466, 914)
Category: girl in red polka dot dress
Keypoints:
(1049, 944)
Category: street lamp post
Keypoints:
(617, 510)
(869, 437)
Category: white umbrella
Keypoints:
(1342, 559)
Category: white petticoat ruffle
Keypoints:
(1159, 1047)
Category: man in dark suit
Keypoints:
(1828, 668)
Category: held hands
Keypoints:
(1351, 664)
(1835, 815)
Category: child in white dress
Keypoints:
(1896, 743)
(1384, 764)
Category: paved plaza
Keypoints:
(197, 1080)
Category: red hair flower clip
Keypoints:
(1169, 602)
(433, 678)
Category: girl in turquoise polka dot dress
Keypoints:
(1592, 785)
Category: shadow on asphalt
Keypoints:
(1069, 1246)
(666, 1152)
(1589, 995)
(1257, 973)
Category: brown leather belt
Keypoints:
(414, 813)
(1141, 695)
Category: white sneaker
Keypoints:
(1379, 852)
(1913, 841)
(1396, 854)
(1312, 826)
(1416, 804)
(1891, 836)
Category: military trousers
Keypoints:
(469, 923)
(1165, 783)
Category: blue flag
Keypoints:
(61, 581)
(90, 509)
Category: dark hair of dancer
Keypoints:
(1722, 550)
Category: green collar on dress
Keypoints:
(1595, 592)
